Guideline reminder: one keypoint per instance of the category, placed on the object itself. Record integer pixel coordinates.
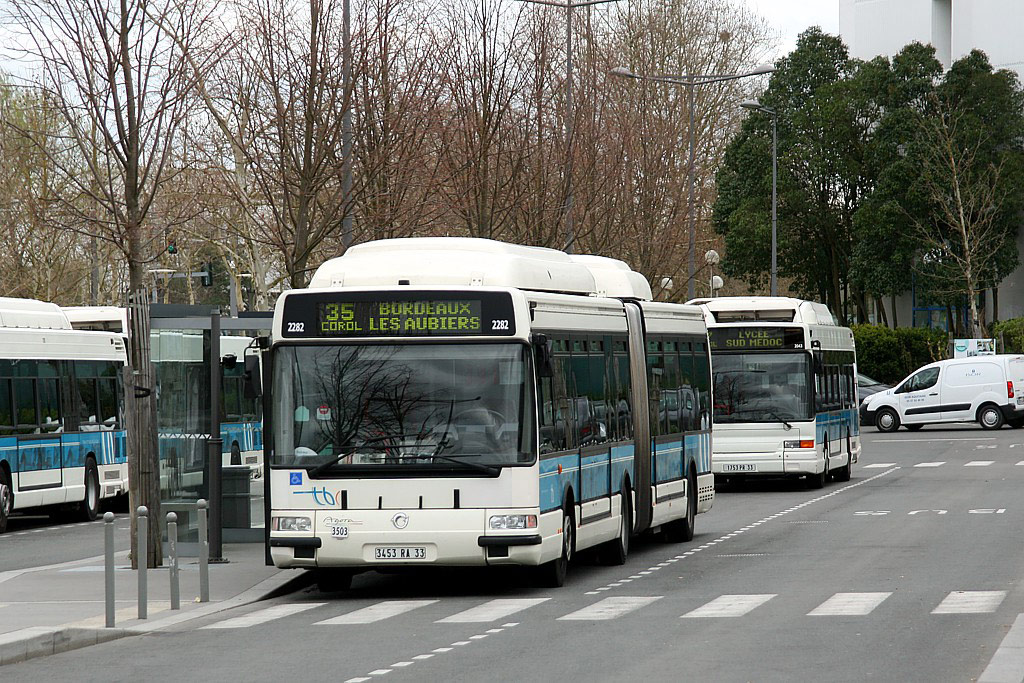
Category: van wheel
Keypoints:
(913, 428)
(990, 417)
(887, 420)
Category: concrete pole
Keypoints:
(775, 180)
(691, 269)
(346, 123)
(570, 227)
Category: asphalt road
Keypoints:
(40, 540)
(910, 572)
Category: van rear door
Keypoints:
(1015, 376)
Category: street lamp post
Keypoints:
(567, 218)
(690, 81)
(754, 106)
(346, 123)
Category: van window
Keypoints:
(924, 379)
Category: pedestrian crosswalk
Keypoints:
(852, 604)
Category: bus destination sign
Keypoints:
(394, 314)
(756, 338)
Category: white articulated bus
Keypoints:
(62, 440)
(785, 389)
(451, 401)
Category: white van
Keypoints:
(988, 390)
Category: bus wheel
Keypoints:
(552, 574)
(6, 498)
(615, 551)
(818, 481)
(681, 530)
(90, 505)
(846, 472)
(333, 580)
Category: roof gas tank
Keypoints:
(474, 262)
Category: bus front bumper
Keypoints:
(371, 539)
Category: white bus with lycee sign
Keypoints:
(785, 389)
(465, 402)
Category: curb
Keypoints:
(41, 641)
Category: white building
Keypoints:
(954, 27)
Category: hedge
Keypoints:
(888, 355)
(1009, 335)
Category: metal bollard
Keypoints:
(142, 559)
(172, 542)
(108, 565)
(204, 555)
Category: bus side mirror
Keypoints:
(253, 385)
(542, 355)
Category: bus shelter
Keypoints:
(185, 342)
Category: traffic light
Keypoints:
(207, 279)
(172, 248)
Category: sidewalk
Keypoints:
(44, 610)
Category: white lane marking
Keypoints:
(492, 611)
(399, 665)
(422, 657)
(970, 602)
(931, 464)
(441, 650)
(380, 672)
(978, 438)
(610, 608)
(979, 463)
(264, 615)
(510, 624)
(361, 679)
(479, 636)
(1007, 662)
(461, 642)
(1021, 462)
(729, 606)
(879, 465)
(378, 612)
(849, 604)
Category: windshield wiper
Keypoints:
(489, 469)
(781, 419)
(322, 467)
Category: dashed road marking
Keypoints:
(970, 602)
(931, 464)
(729, 606)
(849, 604)
(492, 611)
(610, 608)
(377, 612)
(979, 463)
(264, 615)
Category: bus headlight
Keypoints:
(513, 522)
(291, 524)
(807, 443)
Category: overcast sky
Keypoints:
(790, 17)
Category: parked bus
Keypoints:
(785, 389)
(180, 368)
(62, 439)
(453, 401)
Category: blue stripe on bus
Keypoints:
(63, 450)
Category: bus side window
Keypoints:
(6, 415)
(687, 407)
(655, 371)
(623, 385)
(702, 384)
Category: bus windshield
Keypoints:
(420, 406)
(762, 387)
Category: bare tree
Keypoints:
(116, 80)
(964, 232)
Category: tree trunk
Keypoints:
(140, 415)
(895, 320)
(881, 311)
